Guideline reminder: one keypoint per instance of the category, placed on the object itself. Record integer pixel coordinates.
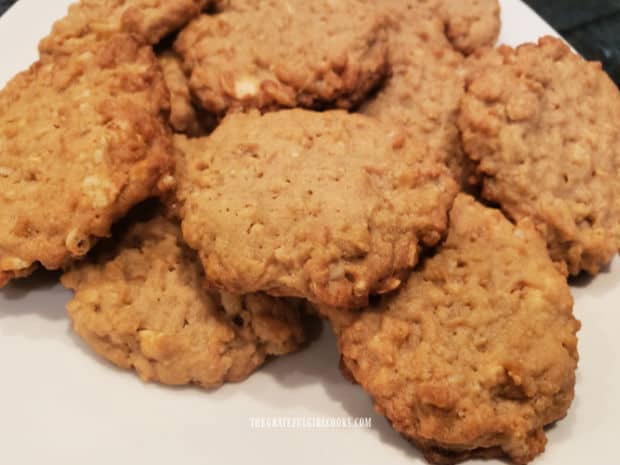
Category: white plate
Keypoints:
(59, 404)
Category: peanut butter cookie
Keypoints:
(542, 124)
(82, 140)
(183, 116)
(143, 305)
(477, 353)
(269, 54)
(424, 90)
(470, 26)
(147, 20)
(328, 206)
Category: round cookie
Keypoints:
(269, 54)
(423, 92)
(143, 305)
(147, 20)
(477, 353)
(328, 206)
(82, 140)
(543, 126)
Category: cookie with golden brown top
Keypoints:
(183, 116)
(143, 305)
(542, 124)
(147, 20)
(328, 206)
(269, 54)
(477, 353)
(82, 140)
(423, 92)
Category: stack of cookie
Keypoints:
(376, 164)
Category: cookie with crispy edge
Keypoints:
(477, 352)
(268, 54)
(141, 303)
(330, 206)
(542, 125)
(82, 140)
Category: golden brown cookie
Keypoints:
(183, 115)
(543, 126)
(327, 206)
(143, 305)
(424, 90)
(478, 351)
(269, 54)
(147, 20)
(82, 140)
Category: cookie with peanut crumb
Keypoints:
(542, 125)
(147, 20)
(142, 304)
(331, 207)
(268, 54)
(477, 353)
(82, 140)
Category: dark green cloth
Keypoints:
(4, 4)
(569, 14)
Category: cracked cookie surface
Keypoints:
(542, 124)
(478, 351)
(327, 206)
(143, 305)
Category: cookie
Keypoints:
(143, 305)
(267, 54)
(423, 92)
(147, 20)
(82, 140)
(183, 116)
(477, 353)
(330, 206)
(542, 124)
(470, 26)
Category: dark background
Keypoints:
(591, 26)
